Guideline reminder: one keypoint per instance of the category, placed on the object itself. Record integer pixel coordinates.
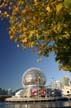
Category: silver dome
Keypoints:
(33, 76)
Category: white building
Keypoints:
(66, 90)
(65, 81)
(19, 93)
(33, 81)
(58, 85)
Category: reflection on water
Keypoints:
(55, 104)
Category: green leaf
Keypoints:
(67, 3)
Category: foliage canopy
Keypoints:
(44, 25)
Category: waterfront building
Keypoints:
(65, 81)
(19, 93)
(57, 85)
(33, 82)
(66, 90)
(64, 86)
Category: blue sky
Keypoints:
(14, 61)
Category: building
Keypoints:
(66, 90)
(65, 81)
(19, 93)
(33, 82)
(57, 85)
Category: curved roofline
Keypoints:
(18, 90)
(32, 69)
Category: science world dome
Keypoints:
(33, 76)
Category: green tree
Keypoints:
(43, 25)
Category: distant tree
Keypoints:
(3, 91)
(0, 91)
(43, 25)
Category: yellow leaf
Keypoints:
(24, 40)
(59, 7)
(48, 9)
(65, 68)
(31, 44)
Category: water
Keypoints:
(59, 104)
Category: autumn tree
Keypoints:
(43, 25)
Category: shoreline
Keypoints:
(2, 98)
(32, 99)
(38, 99)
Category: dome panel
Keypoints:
(33, 76)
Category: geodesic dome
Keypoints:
(33, 76)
